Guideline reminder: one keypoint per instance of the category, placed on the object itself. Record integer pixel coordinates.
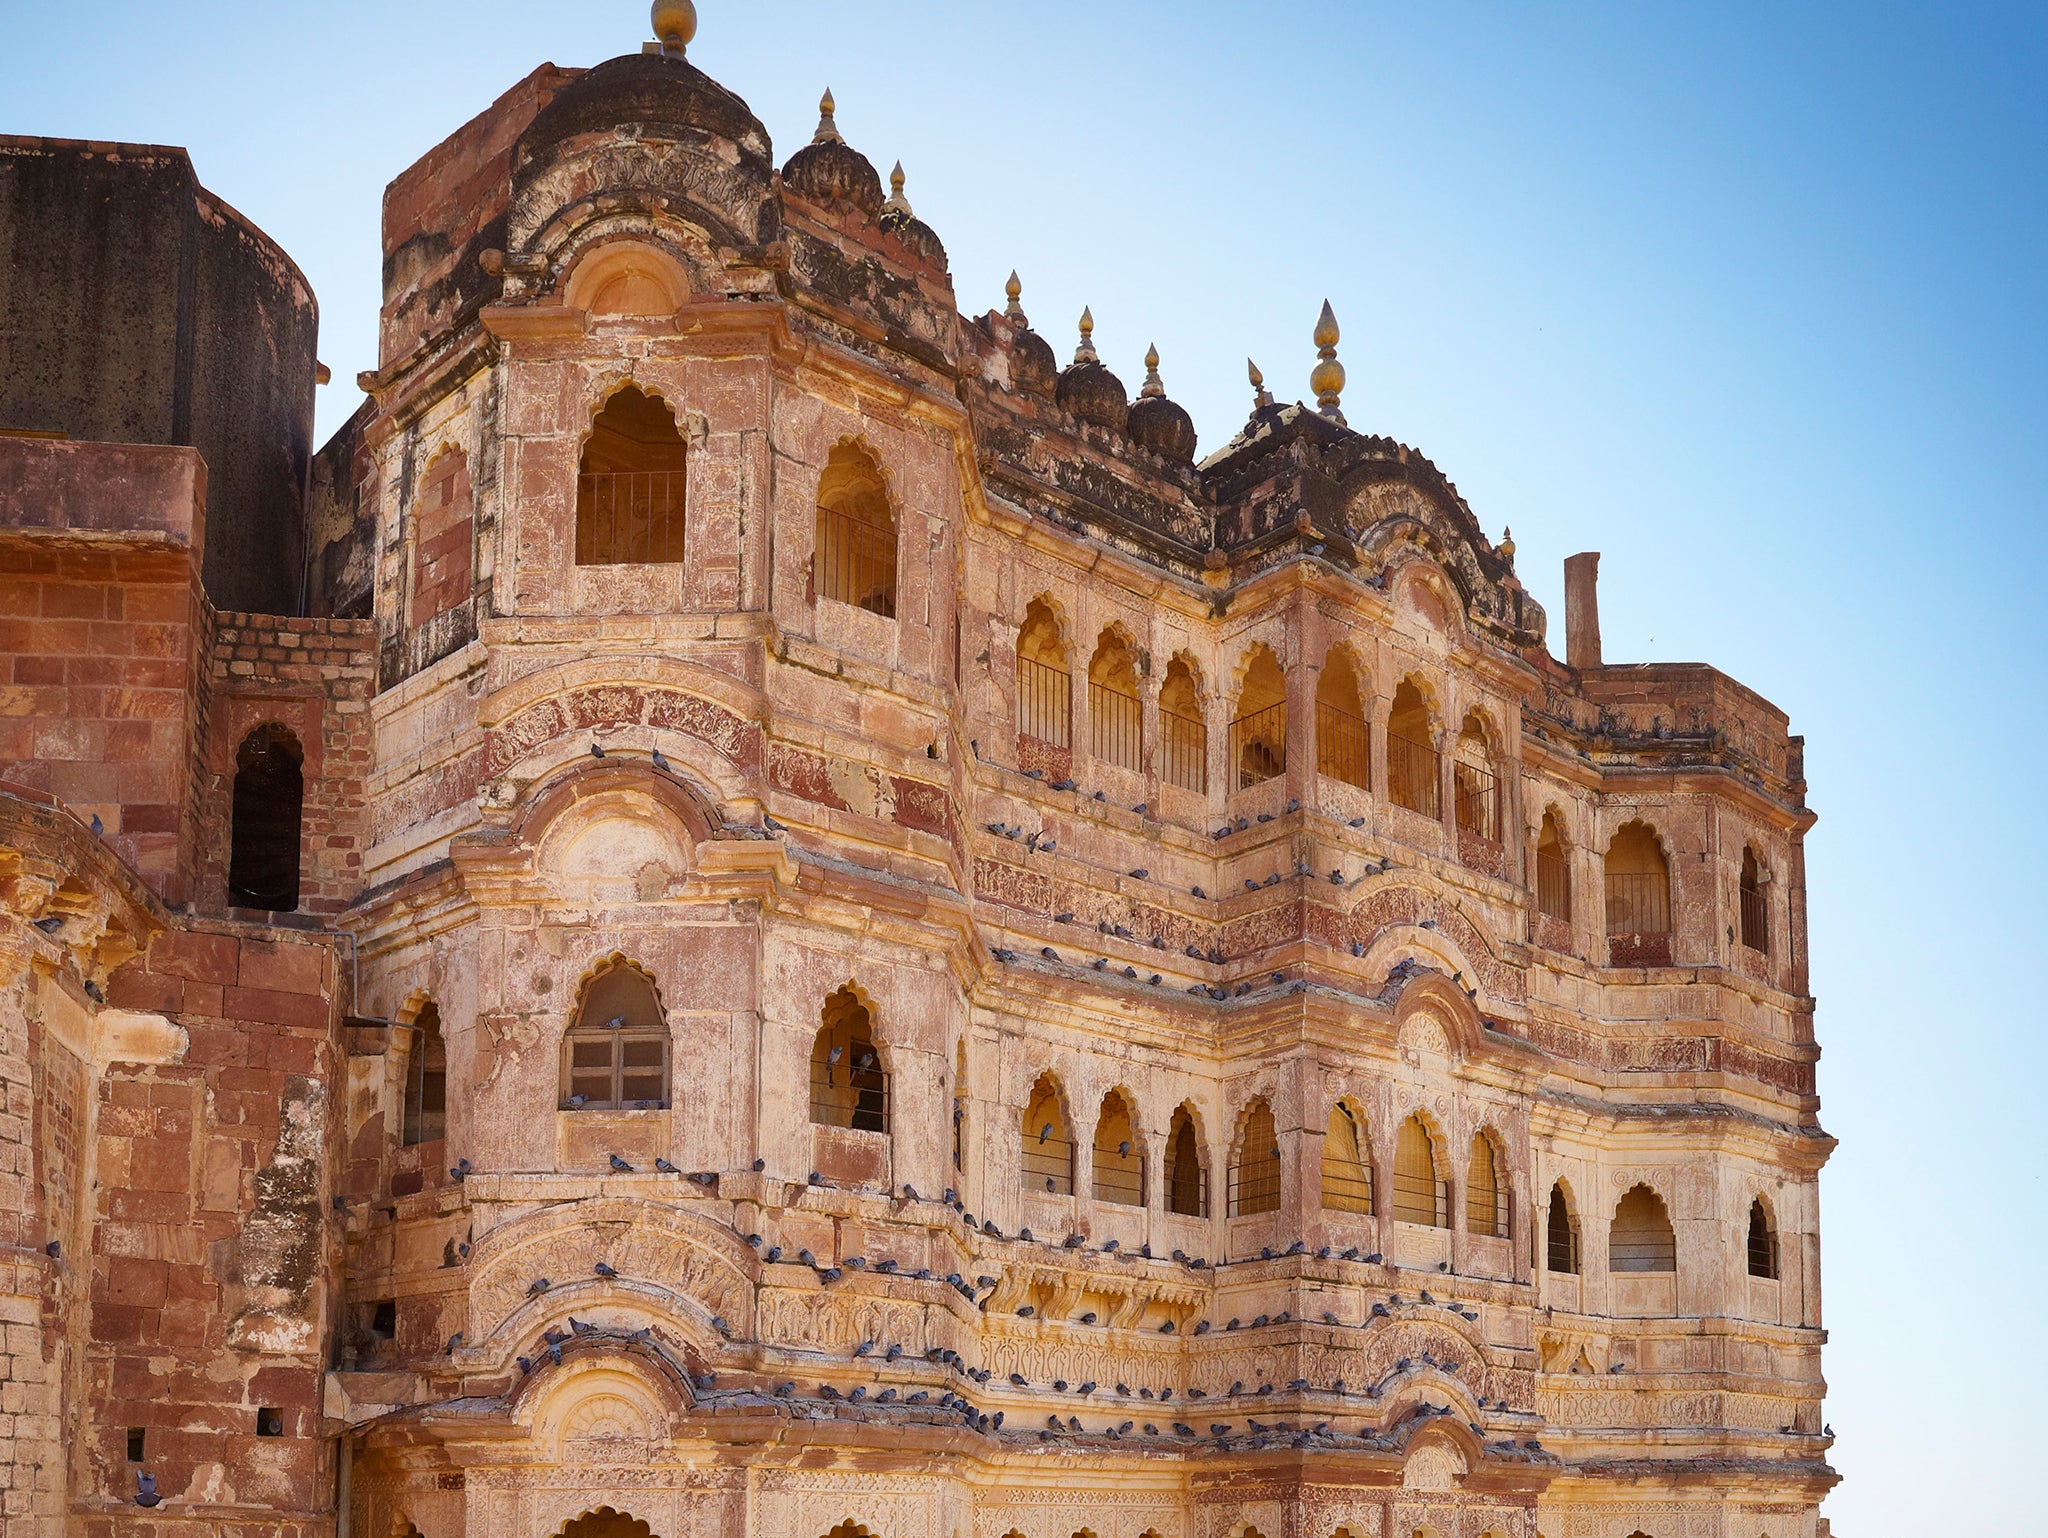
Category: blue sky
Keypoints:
(1750, 299)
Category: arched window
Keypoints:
(1553, 872)
(1562, 1241)
(1641, 1239)
(615, 1057)
(1255, 1173)
(426, 1079)
(1048, 1147)
(856, 550)
(1756, 913)
(1763, 1241)
(1638, 899)
(1114, 735)
(1419, 1196)
(1119, 1165)
(1187, 1178)
(1477, 786)
(1343, 738)
(629, 491)
(1183, 733)
(1347, 1173)
(1258, 736)
(263, 839)
(1486, 1191)
(1045, 689)
(1412, 773)
(849, 1087)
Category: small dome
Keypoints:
(1032, 364)
(1094, 394)
(835, 172)
(649, 90)
(1161, 426)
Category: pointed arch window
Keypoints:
(1114, 733)
(849, 1086)
(615, 1056)
(1187, 1176)
(1347, 1172)
(1638, 899)
(1255, 1173)
(1419, 1195)
(264, 835)
(1343, 737)
(1119, 1165)
(1048, 1146)
(1476, 784)
(1045, 688)
(1562, 1241)
(1756, 913)
(1763, 1242)
(1486, 1191)
(630, 485)
(855, 561)
(1258, 735)
(1183, 731)
(426, 1079)
(1412, 772)
(1642, 1238)
(1553, 872)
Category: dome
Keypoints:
(1032, 364)
(1094, 394)
(835, 172)
(1161, 426)
(650, 89)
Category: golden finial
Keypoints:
(1152, 384)
(675, 23)
(1327, 378)
(1261, 396)
(828, 131)
(1015, 289)
(1507, 545)
(1085, 353)
(896, 202)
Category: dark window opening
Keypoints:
(630, 492)
(270, 1421)
(135, 1436)
(615, 1057)
(270, 791)
(849, 1086)
(426, 1080)
(1763, 1243)
(1563, 1239)
(384, 1319)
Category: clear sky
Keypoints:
(1750, 299)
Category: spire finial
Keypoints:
(1013, 310)
(1261, 396)
(1152, 384)
(896, 203)
(675, 23)
(828, 131)
(1085, 353)
(1327, 378)
(1506, 547)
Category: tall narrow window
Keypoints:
(1763, 1242)
(1048, 1147)
(1045, 689)
(1419, 1196)
(1412, 774)
(849, 1087)
(1183, 736)
(1119, 1165)
(1756, 916)
(615, 1057)
(1477, 786)
(1347, 1173)
(630, 488)
(1258, 734)
(1562, 1241)
(1638, 899)
(426, 1079)
(1255, 1173)
(1113, 730)
(1642, 1237)
(1486, 1192)
(1343, 739)
(1553, 873)
(856, 549)
(1187, 1179)
(960, 1105)
(270, 790)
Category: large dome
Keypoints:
(651, 91)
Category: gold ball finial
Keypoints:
(1261, 396)
(1153, 384)
(1085, 353)
(1014, 288)
(828, 131)
(675, 24)
(1327, 378)
(1507, 545)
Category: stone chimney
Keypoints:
(1582, 609)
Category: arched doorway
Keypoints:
(606, 1523)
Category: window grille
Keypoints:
(1642, 1237)
(1343, 746)
(1347, 1173)
(615, 1057)
(849, 1087)
(1114, 733)
(629, 517)
(1255, 1176)
(1258, 745)
(1045, 703)
(1562, 1242)
(1412, 775)
(1763, 1243)
(1419, 1196)
(856, 561)
(1048, 1164)
(1184, 752)
(1119, 1166)
(1478, 808)
(1553, 885)
(1187, 1178)
(1486, 1194)
(1638, 903)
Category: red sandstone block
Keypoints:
(283, 966)
(136, 987)
(116, 1323)
(138, 1283)
(74, 600)
(188, 1284)
(46, 671)
(200, 957)
(304, 1011)
(289, 1388)
(138, 1206)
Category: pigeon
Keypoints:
(621, 1166)
(772, 825)
(98, 827)
(665, 1167)
(1026, 1311)
(1089, 1317)
(659, 761)
(145, 1484)
(525, 1365)
(1086, 1389)
(596, 750)
(603, 1269)
(539, 1285)
(1202, 1328)
(460, 1170)
(1018, 1380)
